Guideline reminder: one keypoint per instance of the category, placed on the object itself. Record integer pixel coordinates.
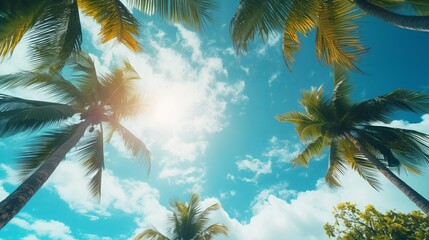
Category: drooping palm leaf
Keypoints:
(210, 231)
(41, 147)
(337, 40)
(91, 153)
(151, 234)
(301, 19)
(193, 13)
(257, 17)
(379, 108)
(16, 18)
(115, 20)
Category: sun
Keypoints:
(169, 107)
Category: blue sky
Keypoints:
(210, 126)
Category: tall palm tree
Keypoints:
(337, 39)
(101, 101)
(353, 140)
(188, 223)
(54, 29)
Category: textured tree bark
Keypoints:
(12, 204)
(414, 196)
(416, 23)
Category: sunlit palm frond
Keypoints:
(120, 85)
(257, 17)
(317, 106)
(203, 217)
(313, 149)
(133, 144)
(16, 18)
(337, 40)
(116, 21)
(193, 13)
(41, 147)
(421, 7)
(379, 108)
(91, 153)
(302, 18)
(20, 115)
(212, 230)
(151, 234)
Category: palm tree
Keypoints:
(54, 29)
(188, 223)
(353, 140)
(101, 101)
(337, 39)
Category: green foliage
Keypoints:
(337, 40)
(326, 122)
(188, 222)
(352, 223)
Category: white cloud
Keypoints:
(422, 126)
(44, 228)
(281, 150)
(273, 39)
(254, 165)
(273, 78)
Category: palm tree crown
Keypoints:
(188, 223)
(347, 129)
(100, 100)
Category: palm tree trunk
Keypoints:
(12, 204)
(414, 196)
(416, 23)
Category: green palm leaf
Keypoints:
(115, 20)
(91, 152)
(337, 41)
(20, 115)
(193, 13)
(53, 84)
(336, 165)
(41, 147)
(151, 234)
(133, 144)
(314, 148)
(301, 19)
(379, 108)
(257, 17)
(16, 18)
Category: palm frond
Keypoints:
(41, 147)
(336, 165)
(317, 106)
(301, 19)
(85, 75)
(16, 18)
(20, 115)
(203, 217)
(379, 108)
(337, 40)
(257, 17)
(133, 144)
(212, 230)
(91, 152)
(193, 13)
(342, 90)
(151, 234)
(62, 36)
(314, 148)
(53, 84)
(115, 20)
